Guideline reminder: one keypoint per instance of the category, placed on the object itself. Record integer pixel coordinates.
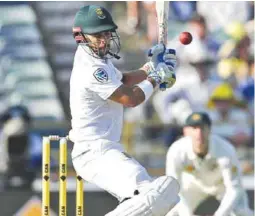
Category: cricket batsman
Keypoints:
(98, 93)
(206, 165)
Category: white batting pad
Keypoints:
(155, 199)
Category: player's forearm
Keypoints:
(134, 77)
(135, 95)
(228, 202)
(131, 96)
(138, 94)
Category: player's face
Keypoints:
(199, 136)
(100, 42)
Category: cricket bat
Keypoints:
(162, 8)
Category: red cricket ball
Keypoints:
(185, 38)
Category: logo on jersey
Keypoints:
(101, 75)
(100, 13)
(189, 168)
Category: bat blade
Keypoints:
(162, 8)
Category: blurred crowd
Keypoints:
(215, 73)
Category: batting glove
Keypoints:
(154, 54)
(169, 59)
(156, 77)
(163, 74)
(167, 75)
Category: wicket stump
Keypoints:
(62, 178)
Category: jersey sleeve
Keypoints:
(103, 81)
(229, 164)
(174, 168)
(118, 73)
(231, 174)
(173, 162)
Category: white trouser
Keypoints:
(155, 199)
(105, 165)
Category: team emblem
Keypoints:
(196, 117)
(189, 168)
(101, 75)
(100, 13)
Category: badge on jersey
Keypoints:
(101, 75)
(189, 168)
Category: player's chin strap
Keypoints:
(114, 55)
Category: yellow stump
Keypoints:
(46, 177)
(62, 176)
(79, 196)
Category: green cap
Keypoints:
(198, 119)
(92, 19)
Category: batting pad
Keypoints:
(155, 199)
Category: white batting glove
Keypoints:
(167, 74)
(153, 54)
(163, 74)
(156, 77)
(170, 60)
(148, 67)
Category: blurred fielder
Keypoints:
(206, 165)
(98, 92)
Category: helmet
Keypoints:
(93, 19)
